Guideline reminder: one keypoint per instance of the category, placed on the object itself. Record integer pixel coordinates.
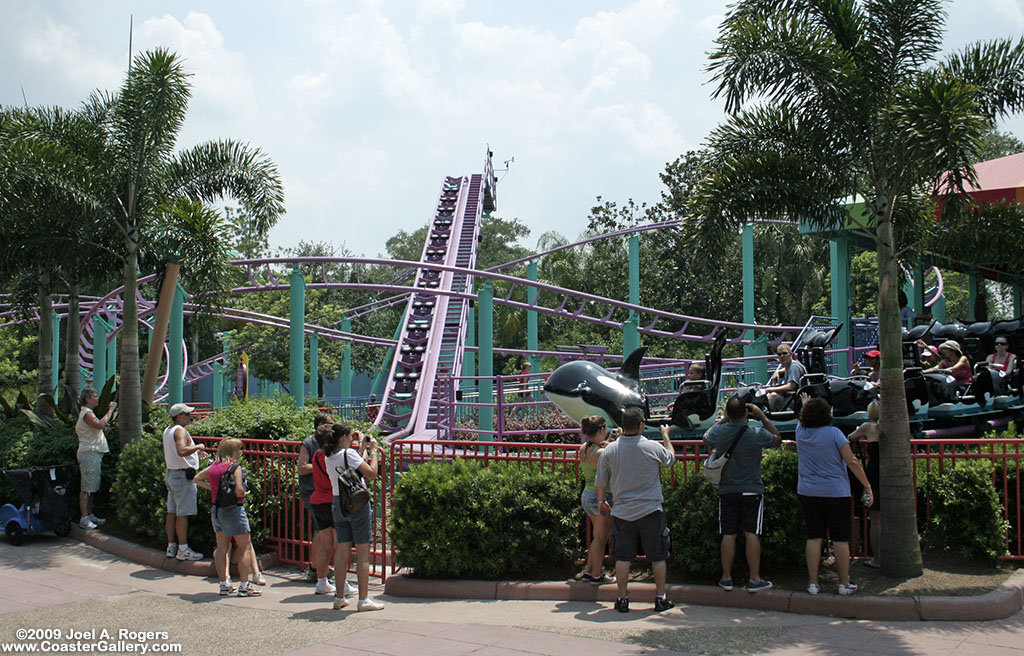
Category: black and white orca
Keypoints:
(581, 388)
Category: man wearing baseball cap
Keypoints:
(181, 455)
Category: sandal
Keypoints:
(599, 580)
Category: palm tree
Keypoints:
(829, 100)
(146, 175)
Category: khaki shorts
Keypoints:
(90, 465)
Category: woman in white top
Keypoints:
(356, 528)
(92, 444)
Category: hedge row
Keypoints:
(465, 520)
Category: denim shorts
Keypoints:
(229, 521)
(588, 499)
(354, 528)
(90, 464)
(181, 494)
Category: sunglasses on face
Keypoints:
(1002, 344)
(782, 353)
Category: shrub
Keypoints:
(966, 513)
(464, 520)
(692, 509)
(275, 418)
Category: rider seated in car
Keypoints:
(1002, 359)
(874, 358)
(954, 361)
(786, 379)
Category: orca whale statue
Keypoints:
(581, 388)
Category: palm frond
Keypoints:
(996, 69)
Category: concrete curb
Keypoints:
(998, 604)
(154, 557)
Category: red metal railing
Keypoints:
(275, 463)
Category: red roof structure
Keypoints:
(999, 179)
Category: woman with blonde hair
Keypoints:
(228, 516)
(596, 432)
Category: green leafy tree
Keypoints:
(831, 100)
(146, 175)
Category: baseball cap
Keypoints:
(180, 409)
(873, 353)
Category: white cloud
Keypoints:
(1012, 10)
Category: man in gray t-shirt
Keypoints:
(631, 468)
(786, 380)
(741, 492)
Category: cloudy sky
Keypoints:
(366, 105)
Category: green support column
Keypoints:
(100, 328)
(939, 309)
(218, 386)
(175, 335)
(630, 336)
(917, 299)
(973, 283)
(346, 361)
(112, 360)
(839, 254)
(297, 338)
(55, 369)
(486, 299)
(757, 348)
(314, 365)
(469, 358)
(531, 317)
(264, 388)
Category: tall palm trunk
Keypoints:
(900, 548)
(130, 386)
(72, 369)
(44, 384)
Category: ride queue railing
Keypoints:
(274, 463)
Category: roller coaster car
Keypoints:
(697, 403)
(938, 393)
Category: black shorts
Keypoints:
(323, 517)
(740, 512)
(650, 532)
(827, 517)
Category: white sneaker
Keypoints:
(258, 579)
(813, 588)
(86, 524)
(340, 602)
(98, 521)
(326, 588)
(847, 590)
(185, 553)
(350, 589)
(172, 550)
(369, 604)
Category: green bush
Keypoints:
(692, 509)
(966, 512)
(275, 418)
(464, 520)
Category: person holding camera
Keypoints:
(181, 456)
(352, 450)
(741, 491)
(92, 444)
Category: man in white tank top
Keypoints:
(181, 455)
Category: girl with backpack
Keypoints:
(225, 478)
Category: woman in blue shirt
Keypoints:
(824, 489)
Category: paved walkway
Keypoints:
(55, 584)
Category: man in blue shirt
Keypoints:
(741, 492)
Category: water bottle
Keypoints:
(866, 499)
